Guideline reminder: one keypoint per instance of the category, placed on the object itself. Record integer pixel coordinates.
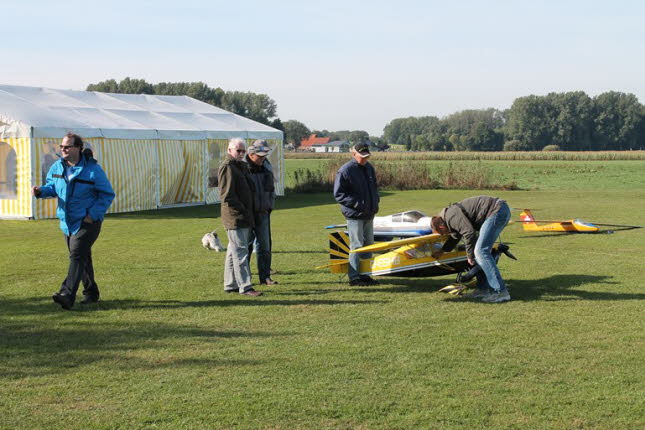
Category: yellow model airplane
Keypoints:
(529, 223)
(411, 257)
(573, 225)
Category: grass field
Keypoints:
(166, 348)
(529, 175)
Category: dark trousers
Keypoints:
(80, 261)
(261, 240)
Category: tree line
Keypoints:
(258, 107)
(570, 121)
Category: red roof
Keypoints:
(313, 140)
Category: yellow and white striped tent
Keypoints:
(158, 151)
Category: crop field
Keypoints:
(166, 348)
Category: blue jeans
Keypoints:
(361, 233)
(237, 276)
(261, 239)
(488, 234)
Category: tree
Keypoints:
(618, 121)
(258, 107)
(572, 121)
(529, 121)
(294, 132)
(358, 136)
(321, 133)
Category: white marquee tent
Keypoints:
(158, 151)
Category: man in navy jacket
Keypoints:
(356, 190)
(84, 195)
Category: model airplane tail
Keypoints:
(528, 221)
(338, 252)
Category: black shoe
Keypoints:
(89, 299)
(231, 291)
(368, 280)
(64, 300)
(269, 281)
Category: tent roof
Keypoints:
(53, 113)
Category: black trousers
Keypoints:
(80, 261)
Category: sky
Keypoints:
(335, 65)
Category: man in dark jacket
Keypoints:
(479, 221)
(84, 195)
(236, 196)
(262, 177)
(356, 190)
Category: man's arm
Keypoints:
(342, 189)
(461, 225)
(104, 198)
(47, 190)
(227, 192)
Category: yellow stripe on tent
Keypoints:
(20, 203)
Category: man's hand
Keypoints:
(88, 219)
(35, 191)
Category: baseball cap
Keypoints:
(259, 147)
(363, 149)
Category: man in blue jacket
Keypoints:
(356, 190)
(84, 195)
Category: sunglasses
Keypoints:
(241, 151)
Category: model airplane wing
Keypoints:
(396, 243)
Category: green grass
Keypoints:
(529, 175)
(166, 348)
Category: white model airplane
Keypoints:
(405, 224)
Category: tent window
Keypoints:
(8, 178)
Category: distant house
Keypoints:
(307, 144)
(335, 146)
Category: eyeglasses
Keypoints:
(241, 151)
(64, 147)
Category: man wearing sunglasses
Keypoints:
(84, 195)
(236, 195)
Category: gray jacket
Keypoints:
(464, 219)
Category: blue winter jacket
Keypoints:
(356, 191)
(87, 192)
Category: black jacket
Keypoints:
(356, 190)
(262, 177)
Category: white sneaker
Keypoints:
(502, 296)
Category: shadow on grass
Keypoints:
(44, 306)
(555, 287)
(566, 287)
(42, 348)
(38, 338)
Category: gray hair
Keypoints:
(236, 141)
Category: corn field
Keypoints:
(474, 156)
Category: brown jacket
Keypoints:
(236, 194)
(464, 219)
